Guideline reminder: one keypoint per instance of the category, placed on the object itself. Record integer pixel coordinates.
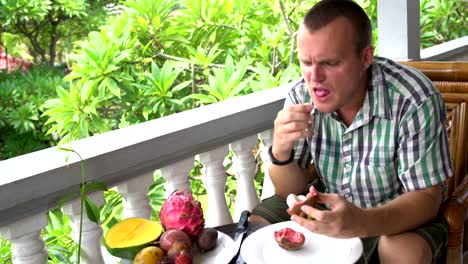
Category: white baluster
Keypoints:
(244, 164)
(25, 234)
(268, 189)
(176, 175)
(136, 202)
(91, 232)
(214, 179)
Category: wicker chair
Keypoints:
(451, 78)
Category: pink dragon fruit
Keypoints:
(182, 212)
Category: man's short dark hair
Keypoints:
(326, 11)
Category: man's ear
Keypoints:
(367, 56)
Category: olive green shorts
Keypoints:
(273, 209)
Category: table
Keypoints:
(230, 229)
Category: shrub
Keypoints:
(23, 95)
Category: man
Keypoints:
(375, 132)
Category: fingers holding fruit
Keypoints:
(341, 219)
(291, 124)
(295, 202)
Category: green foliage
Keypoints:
(160, 90)
(22, 126)
(111, 211)
(158, 58)
(49, 28)
(92, 211)
(5, 251)
(161, 57)
(225, 83)
(264, 80)
(58, 240)
(157, 195)
(152, 21)
(442, 20)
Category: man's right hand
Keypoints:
(291, 124)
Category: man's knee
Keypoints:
(404, 248)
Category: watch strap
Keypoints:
(279, 162)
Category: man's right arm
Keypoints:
(290, 125)
(290, 178)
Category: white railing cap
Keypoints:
(37, 181)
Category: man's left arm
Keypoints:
(345, 220)
(423, 166)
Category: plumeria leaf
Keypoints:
(91, 209)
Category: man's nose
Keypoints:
(316, 73)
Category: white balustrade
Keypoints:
(91, 232)
(214, 179)
(118, 158)
(244, 165)
(136, 202)
(25, 235)
(268, 189)
(176, 175)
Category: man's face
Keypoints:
(332, 68)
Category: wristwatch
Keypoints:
(279, 162)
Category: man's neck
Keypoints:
(349, 113)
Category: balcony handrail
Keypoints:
(36, 182)
(456, 49)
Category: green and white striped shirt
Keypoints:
(397, 142)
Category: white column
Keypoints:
(398, 26)
(91, 232)
(136, 202)
(214, 179)
(25, 235)
(176, 175)
(266, 137)
(244, 164)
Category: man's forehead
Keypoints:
(339, 22)
(338, 30)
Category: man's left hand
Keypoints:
(343, 220)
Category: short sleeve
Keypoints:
(423, 152)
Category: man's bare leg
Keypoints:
(404, 248)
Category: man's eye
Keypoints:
(331, 63)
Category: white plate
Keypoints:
(260, 247)
(221, 254)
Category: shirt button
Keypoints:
(347, 195)
(347, 167)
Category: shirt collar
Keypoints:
(377, 101)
